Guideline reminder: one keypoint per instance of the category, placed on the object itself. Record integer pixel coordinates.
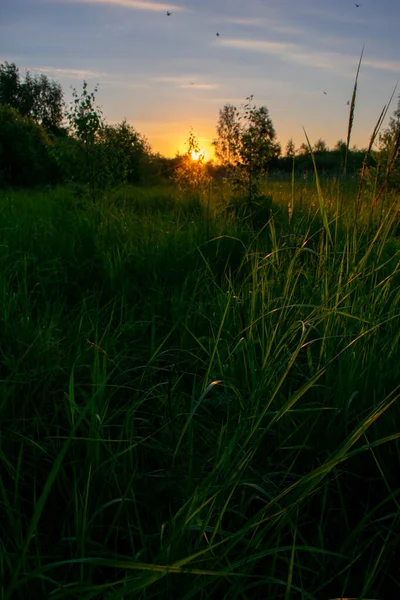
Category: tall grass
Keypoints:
(194, 406)
(352, 112)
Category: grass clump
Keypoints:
(197, 405)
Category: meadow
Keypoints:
(198, 401)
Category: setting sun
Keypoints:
(197, 155)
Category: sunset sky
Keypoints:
(168, 73)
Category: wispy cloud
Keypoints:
(73, 73)
(199, 86)
(258, 45)
(328, 61)
(137, 5)
(295, 53)
(247, 22)
(105, 79)
(387, 65)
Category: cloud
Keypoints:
(281, 48)
(73, 73)
(387, 65)
(342, 64)
(105, 79)
(245, 21)
(199, 86)
(137, 5)
(329, 61)
(295, 53)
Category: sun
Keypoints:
(197, 155)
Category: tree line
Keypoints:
(246, 137)
(44, 141)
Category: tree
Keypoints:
(10, 85)
(320, 146)
(246, 143)
(227, 144)
(388, 158)
(36, 96)
(85, 124)
(290, 151)
(43, 100)
(394, 123)
(246, 138)
(257, 142)
(304, 150)
(124, 153)
(96, 156)
(340, 146)
(388, 137)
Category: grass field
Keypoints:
(199, 403)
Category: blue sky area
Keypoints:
(168, 73)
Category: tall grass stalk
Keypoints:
(351, 113)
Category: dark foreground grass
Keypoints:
(195, 405)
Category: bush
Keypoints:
(24, 150)
(124, 153)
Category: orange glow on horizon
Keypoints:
(169, 145)
(206, 151)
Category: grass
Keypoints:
(194, 405)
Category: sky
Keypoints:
(167, 74)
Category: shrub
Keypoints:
(24, 150)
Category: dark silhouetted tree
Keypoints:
(42, 99)
(247, 144)
(226, 146)
(304, 149)
(340, 146)
(36, 96)
(290, 151)
(320, 146)
(258, 144)
(394, 123)
(255, 147)
(85, 124)
(10, 85)
(388, 158)
(125, 153)
(246, 138)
